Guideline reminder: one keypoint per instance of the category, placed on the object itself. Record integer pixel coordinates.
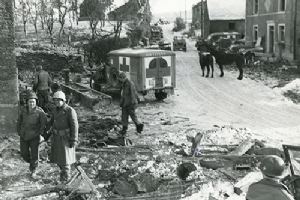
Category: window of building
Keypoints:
(255, 33)
(255, 6)
(281, 32)
(231, 26)
(281, 5)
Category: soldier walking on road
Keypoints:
(128, 104)
(42, 83)
(65, 135)
(31, 124)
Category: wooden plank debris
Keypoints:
(81, 184)
(242, 148)
(123, 149)
(50, 189)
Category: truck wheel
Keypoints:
(184, 49)
(160, 95)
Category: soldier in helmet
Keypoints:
(128, 104)
(270, 187)
(31, 124)
(42, 83)
(65, 135)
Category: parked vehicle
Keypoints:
(215, 37)
(162, 21)
(163, 45)
(149, 69)
(179, 43)
(156, 34)
(249, 51)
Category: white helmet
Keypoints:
(59, 95)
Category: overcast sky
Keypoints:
(163, 6)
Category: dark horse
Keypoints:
(205, 59)
(224, 58)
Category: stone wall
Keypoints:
(8, 70)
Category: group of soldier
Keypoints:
(62, 126)
(60, 123)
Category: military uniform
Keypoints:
(42, 84)
(268, 189)
(128, 104)
(31, 124)
(65, 135)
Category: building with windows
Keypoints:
(210, 16)
(275, 24)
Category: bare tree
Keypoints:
(63, 7)
(74, 10)
(42, 12)
(34, 14)
(23, 10)
(139, 14)
(94, 10)
(49, 18)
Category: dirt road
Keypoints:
(228, 101)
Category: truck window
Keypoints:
(163, 63)
(152, 64)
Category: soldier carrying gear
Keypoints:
(31, 124)
(42, 83)
(64, 124)
(270, 187)
(128, 103)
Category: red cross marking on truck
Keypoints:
(124, 67)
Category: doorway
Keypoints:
(270, 38)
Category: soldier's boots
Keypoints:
(33, 174)
(64, 177)
(139, 128)
(123, 131)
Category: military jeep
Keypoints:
(179, 43)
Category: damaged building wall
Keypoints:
(200, 18)
(236, 25)
(8, 75)
(268, 18)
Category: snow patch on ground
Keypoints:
(294, 85)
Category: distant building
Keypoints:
(127, 12)
(276, 23)
(208, 18)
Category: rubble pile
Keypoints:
(162, 166)
(96, 131)
(51, 60)
(172, 158)
(276, 73)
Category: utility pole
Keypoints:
(201, 19)
(185, 11)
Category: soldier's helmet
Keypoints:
(39, 67)
(59, 95)
(31, 95)
(273, 166)
(122, 76)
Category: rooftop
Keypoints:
(226, 9)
